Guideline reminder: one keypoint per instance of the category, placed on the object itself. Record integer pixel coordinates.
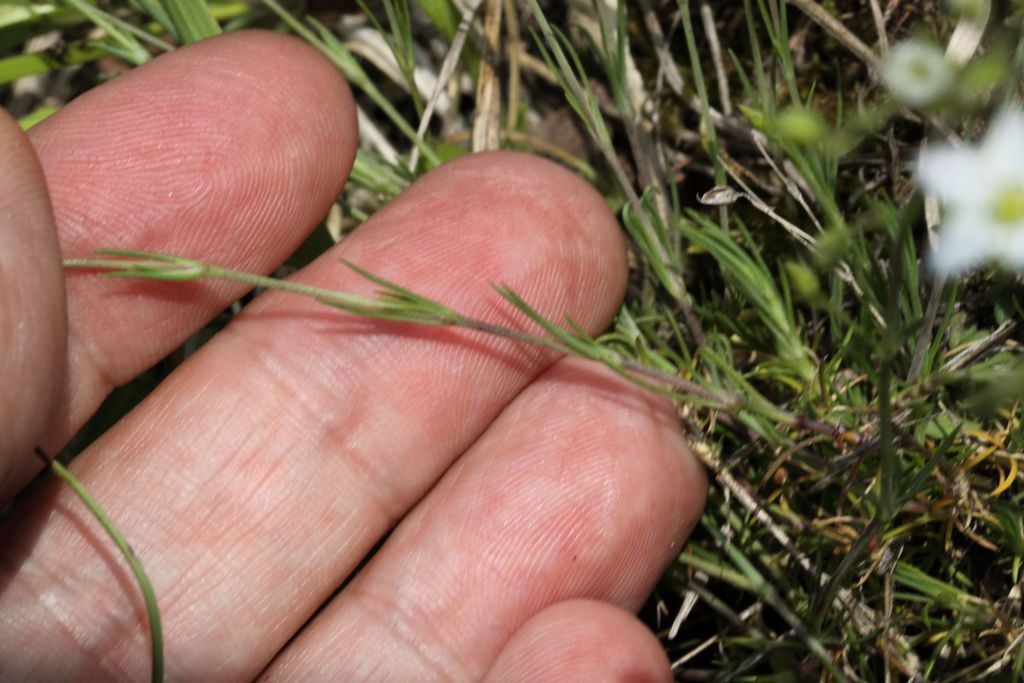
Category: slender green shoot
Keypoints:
(192, 20)
(156, 638)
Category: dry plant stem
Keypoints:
(981, 347)
(694, 652)
(742, 618)
(837, 30)
(537, 145)
(666, 64)
(755, 659)
(1002, 661)
(690, 599)
(760, 141)
(722, 123)
(374, 138)
(487, 117)
(513, 48)
(451, 60)
(715, 46)
(842, 268)
(795, 232)
(793, 189)
(537, 67)
(967, 35)
(879, 19)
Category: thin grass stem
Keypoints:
(156, 638)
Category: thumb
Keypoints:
(33, 320)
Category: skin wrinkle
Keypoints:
(209, 629)
(171, 201)
(336, 424)
(245, 495)
(246, 501)
(403, 629)
(72, 630)
(83, 634)
(127, 443)
(331, 440)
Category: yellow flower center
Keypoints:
(1008, 209)
(921, 70)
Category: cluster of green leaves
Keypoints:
(901, 520)
(860, 419)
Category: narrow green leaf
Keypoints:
(442, 14)
(37, 116)
(19, 66)
(192, 20)
(148, 595)
(156, 11)
(121, 42)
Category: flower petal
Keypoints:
(965, 240)
(957, 175)
(1011, 251)
(1002, 151)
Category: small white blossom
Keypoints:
(982, 188)
(918, 73)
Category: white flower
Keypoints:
(918, 73)
(982, 188)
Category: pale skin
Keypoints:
(534, 501)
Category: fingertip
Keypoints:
(528, 177)
(582, 640)
(201, 135)
(660, 485)
(511, 219)
(511, 181)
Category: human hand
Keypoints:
(534, 501)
